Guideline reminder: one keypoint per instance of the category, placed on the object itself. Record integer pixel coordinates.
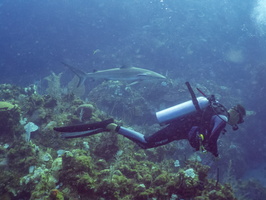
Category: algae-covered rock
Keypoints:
(40, 181)
(162, 179)
(189, 184)
(85, 111)
(107, 149)
(22, 155)
(220, 192)
(74, 166)
(57, 164)
(9, 120)
(5, 106)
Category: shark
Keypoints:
(132, 74)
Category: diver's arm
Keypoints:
(193, 137)
(218, 123)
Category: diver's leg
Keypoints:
(166, 135)
(132, 135)
(161, 137)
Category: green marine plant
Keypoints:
(187, 185)
(108, 149)
(21, 156)
(78, 170)
(12, 178)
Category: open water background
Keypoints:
(208, 40)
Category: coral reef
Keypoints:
(132, 179)
(103, 166)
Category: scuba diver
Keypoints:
(200, 121)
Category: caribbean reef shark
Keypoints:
(132, 74)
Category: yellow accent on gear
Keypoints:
(202, 149)
(201, 137)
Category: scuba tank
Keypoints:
(167, 115)
(189, 107)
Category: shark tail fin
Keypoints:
(81, 74)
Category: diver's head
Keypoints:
(236, 116)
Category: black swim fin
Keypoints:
(82, 133)
(84, 127)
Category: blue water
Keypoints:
(200, 40)
(178, 36)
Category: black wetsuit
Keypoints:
(209, 122)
